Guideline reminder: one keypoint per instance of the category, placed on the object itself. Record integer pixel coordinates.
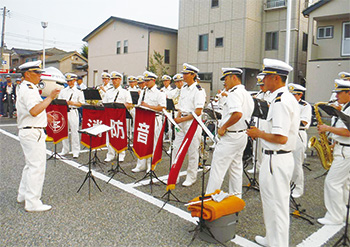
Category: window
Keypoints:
(219, 42)
(214, 3)
(203, 42)
(271, 41)
(207, 78)
(166, 56)
(125, 46)
(325, 32)
(118, 47)
(305, 38)
(346, 39)
(275, 3)
(95, 77)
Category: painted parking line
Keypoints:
(316, 239)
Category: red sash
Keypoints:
(144, 133)
(57, 127)
(157, 154)
(180, 156)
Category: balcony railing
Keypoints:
(270, 4)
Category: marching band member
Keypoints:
(132, 84)
(154, 99)
(105, 85)
(141, 83)
(118, 95)
(299, 152)
(344, 76)
(278, 140)
(228, 152)
(338, 175)
(263, 94)
(167, 88)
(80, 85)
(32, 119)
(192, 98)
(175, 93)
(75, 99)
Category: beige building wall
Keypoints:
(159, 41)
(324, 55)
(103, 46)
(67, 65)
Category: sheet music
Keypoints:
(206, 130)
(168, 115)
(96, 130)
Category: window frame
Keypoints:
(271, 46)
(118, 51)
(126, 47)
(325, 28)
(200, 47)
(166, 56)
(343, 38)
(222, 42)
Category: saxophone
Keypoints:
(324, 150)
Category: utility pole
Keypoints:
(2, 35)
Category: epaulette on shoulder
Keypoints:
(30, 86)
(199, 87)
(302, 102)
(278, 97)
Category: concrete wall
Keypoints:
(243, 25)
(324, 55)
(320, 78)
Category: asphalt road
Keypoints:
(128, 214)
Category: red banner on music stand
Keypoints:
(93, 115)
(116, 118)
(57, 124)
(180, 156)
(144, 133)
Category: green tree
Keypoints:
(85, 51)
(157, 66)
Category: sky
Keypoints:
(69, 21)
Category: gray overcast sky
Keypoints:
(71, 20)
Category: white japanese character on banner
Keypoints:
(142, 134)
(93, 123)
(118, 129)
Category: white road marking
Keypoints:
(316, 239)
(8, 125)
(320, 237)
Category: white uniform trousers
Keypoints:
(275, 176)
(299, 156)
(335, 185)
(111, 152)
(228, 156)
(73, 121)
(193, 150)
(33, 175)
(146, 163)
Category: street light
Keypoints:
(44, 25)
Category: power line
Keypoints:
(39, 39)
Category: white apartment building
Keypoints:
(240, 33)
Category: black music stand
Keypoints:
(169, 193)
(91, 94)
(117, 168)
(298, 212)
(151, 174)
(134, 97)
(93, 131)
(330, 110)
(55, 154)
(201, 225)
